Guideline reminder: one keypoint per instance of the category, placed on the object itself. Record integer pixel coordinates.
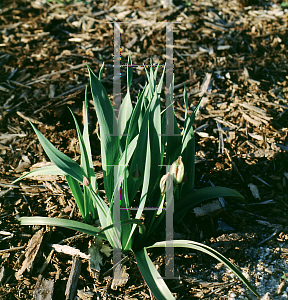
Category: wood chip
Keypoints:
(69, 250)
(44, 289)
(31, 252)
(71, 286)
(254, 190)
(118, 282)
(213, 207)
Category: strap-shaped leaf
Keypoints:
(150, 85)
(197, 197)
(84, 157)
(210, 251)
(47, 170)
(156, 155)
(137, 159)
(101, 71)
(145, 187)
(75, 225)
(173, 147)
(153, 154)
(121, 167)
(188, 156)
(87, 165)
(156, 72)
(139, 223)
(62, 161)
(127, 240)
(77, 193)
(163, 138)
(87, 143)
(105, 218)
(196, 109)
(125, 113)
(136, 120)
(188, 151)
(110, 142)
(126, 107)
(152, 74)
(155, 132)
(153, 279)
(88, 205)
(186, 105)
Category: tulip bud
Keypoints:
(177, 170)
(163, 183)
(86, 181)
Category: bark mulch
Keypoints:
(234, 52)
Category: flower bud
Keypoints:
(86, 181)
(163, 183)
(177, 170)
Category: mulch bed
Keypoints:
(234, 52)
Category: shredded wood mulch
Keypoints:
(233, 53)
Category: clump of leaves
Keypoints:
(138, 157)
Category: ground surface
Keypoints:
(236, 52)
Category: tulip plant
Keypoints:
(135, 160)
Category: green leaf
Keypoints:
(47, 170)
(136, 120)
(124, 160)
(163, 139)
(127, 240)
(185, 96)
(78, 226)
(88, 205)
(105, 218)
(210, 251)
(197, 197)
(153, 279)
(150, 85)
(196, 110)
(129, 71)
(125, 113)
(110, 142)
(77, 193)
(156, 72)
(152, 74)
(188, 151)
(155, 132)
(151, 218)
(84, 157)
(137, 158)
(173, 147)
(87, 165)
(145, 187)
(101, 71)
(126, 107)
(87, 143)
(62, 161)
(140, 224)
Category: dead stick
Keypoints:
(233, 164)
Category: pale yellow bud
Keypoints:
(163, 183)
(177, 170)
